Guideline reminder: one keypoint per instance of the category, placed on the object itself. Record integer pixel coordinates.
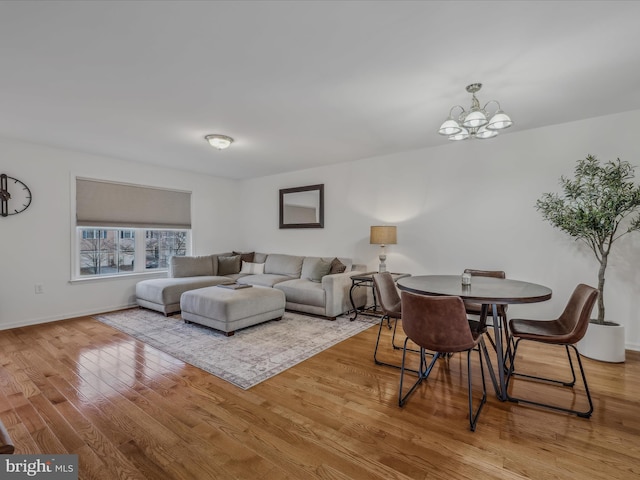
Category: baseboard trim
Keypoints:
(66, 316)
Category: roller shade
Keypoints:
(108, 204)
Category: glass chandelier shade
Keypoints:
(450, 127)
(485, 132)
(463, 134)
(499, 121)
(475, 119)
(476, 122)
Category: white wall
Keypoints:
(468, 204)
(35, 246)
(460, 205)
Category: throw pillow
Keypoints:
(252, 268)
(190, 266)
(228, 265)
(320, 269)
(337, 266)
(245, 257)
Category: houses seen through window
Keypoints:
(160, 245)
(113, 251)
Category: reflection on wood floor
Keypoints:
(130, 411)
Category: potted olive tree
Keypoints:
(597, 207)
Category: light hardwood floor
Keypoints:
(130, 411)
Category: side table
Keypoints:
(366, 280)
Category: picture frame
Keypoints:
(302, 207)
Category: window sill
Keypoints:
(121, 276)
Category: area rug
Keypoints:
(246, 358)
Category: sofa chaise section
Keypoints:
(185, 273)
(163, 294)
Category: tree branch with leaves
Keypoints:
(596, 207)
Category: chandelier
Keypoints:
(477, 122)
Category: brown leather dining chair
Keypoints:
(439, 324)
(565, 331)
(391, 305)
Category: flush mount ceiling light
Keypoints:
(219, 141)
(475, 123)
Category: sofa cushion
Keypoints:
(264, 280)
(259, 257)
(337, 266)
(279, 264)
(245, 257)
(252, 268)
(180, 267)
(227, 265)
(314, 268)
(303, 291)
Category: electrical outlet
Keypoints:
(39, 288)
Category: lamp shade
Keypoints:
(499, 121)
(383, 235)
(449, 127)
(484, 132)
(462, 135)
(475, 119)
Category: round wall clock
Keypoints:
(15, 196)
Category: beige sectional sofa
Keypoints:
(307, 282)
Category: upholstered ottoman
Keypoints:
(230, 310)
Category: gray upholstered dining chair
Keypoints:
(565, 331)
(439, 324)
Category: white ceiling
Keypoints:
(301, 84)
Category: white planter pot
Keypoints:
(603, 342)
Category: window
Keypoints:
(105, 252)
(162, 244)
(124, 229)
(113, 251)
(91, 234)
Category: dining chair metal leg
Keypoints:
(399, 347)
(393, 338)
(423, 372)
(571, 384)
(375, 352)
(550, 380)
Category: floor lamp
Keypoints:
(383, 235)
